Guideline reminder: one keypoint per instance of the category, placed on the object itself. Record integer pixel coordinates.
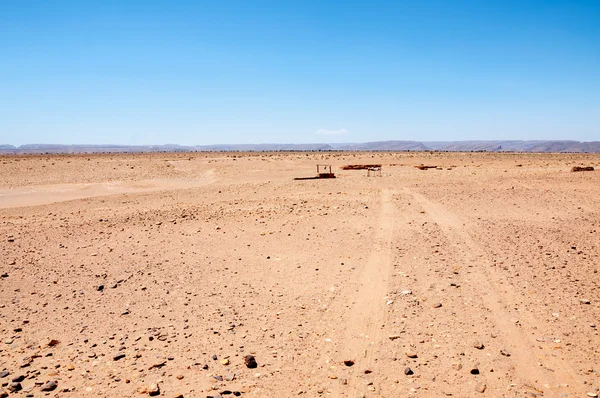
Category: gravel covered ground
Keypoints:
(163, 274)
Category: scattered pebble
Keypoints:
(14, 386)
(153, 389)
(250, 361)
(480, 387)
(49, 386)
(411, 354)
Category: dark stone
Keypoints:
(18, 379)
(250, 361)
(408, 371)
(49, 386)
(14, 387)
(119, 356)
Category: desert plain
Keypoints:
(160, 274)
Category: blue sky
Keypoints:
(195, 72)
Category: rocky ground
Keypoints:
(200, 275)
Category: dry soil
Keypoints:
(159, 273)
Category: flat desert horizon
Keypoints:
(218, 274)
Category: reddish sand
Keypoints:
(481, 275)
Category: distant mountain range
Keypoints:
(413, 146)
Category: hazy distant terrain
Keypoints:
(451, 146)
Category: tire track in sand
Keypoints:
(365, 317)
(535, 369)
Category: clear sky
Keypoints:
(199, 72)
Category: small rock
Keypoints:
(3, 374)
(14, 386)
(584, 301)
(70, 367)
(100, 288)
(49, 386)
(159, 364)
(437, 305)
(214, 357)
(119, 356)
(408, 371)
(153, 389)
(18, 379)
(394, 336)
(479, 345)
(225, 361)
(3, 393)
(480, 387)
(8, 341)
(230, 376)
(505, 353)
(179, 377)
(474, 370)
(592, 394)
(250, 361)
(457, 365)
(411, 354)
(349, 362)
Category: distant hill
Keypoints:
(415, 146)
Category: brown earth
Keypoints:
(481, 276)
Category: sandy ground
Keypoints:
(479, 278)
